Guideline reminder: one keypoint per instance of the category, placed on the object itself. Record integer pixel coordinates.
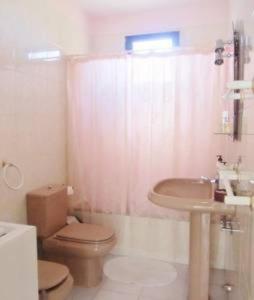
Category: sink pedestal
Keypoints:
(199, 256)
(195, 196)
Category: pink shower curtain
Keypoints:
(136, 120)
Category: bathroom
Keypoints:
(113, 148)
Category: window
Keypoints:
(154, 42)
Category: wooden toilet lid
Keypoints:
(85, 233)
(50, 274)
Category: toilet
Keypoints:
(79, 246)
(54, 280)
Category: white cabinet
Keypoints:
(18, 262)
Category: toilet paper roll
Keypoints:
(70, 190)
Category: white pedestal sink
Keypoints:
(195, 196)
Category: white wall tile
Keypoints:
(33, 94)
(32, 130)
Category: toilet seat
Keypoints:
(85, 233)
(84, 259)
(54, 281)
(51, 274)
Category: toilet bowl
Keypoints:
(79, 246)
(54, 280)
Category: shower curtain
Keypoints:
(135, 120)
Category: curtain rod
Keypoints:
(179, 51)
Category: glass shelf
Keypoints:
(231, 133)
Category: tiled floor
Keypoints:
(112, 290)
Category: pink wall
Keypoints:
(200, 25)
(33, 95)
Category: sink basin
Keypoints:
(195, 196)
(187, 194)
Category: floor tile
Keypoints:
(80, 293)
(182, 271)
(175, 291)
(169, 297)
(109, 295)
(217, 293)
(178, 290)
(119, 287)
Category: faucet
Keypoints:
(237, 165)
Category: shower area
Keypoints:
(137, 119)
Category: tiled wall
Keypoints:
(32, 130)
(29, 25)
(33, 95)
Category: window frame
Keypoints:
(130, 39)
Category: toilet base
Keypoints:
(86, 272)
(84, 260)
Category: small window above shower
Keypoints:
(152, 43)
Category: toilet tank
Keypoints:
(47, 209)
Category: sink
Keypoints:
(187, 194)
(195, 196)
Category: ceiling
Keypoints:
(108, 7)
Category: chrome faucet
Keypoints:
(212, 180)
